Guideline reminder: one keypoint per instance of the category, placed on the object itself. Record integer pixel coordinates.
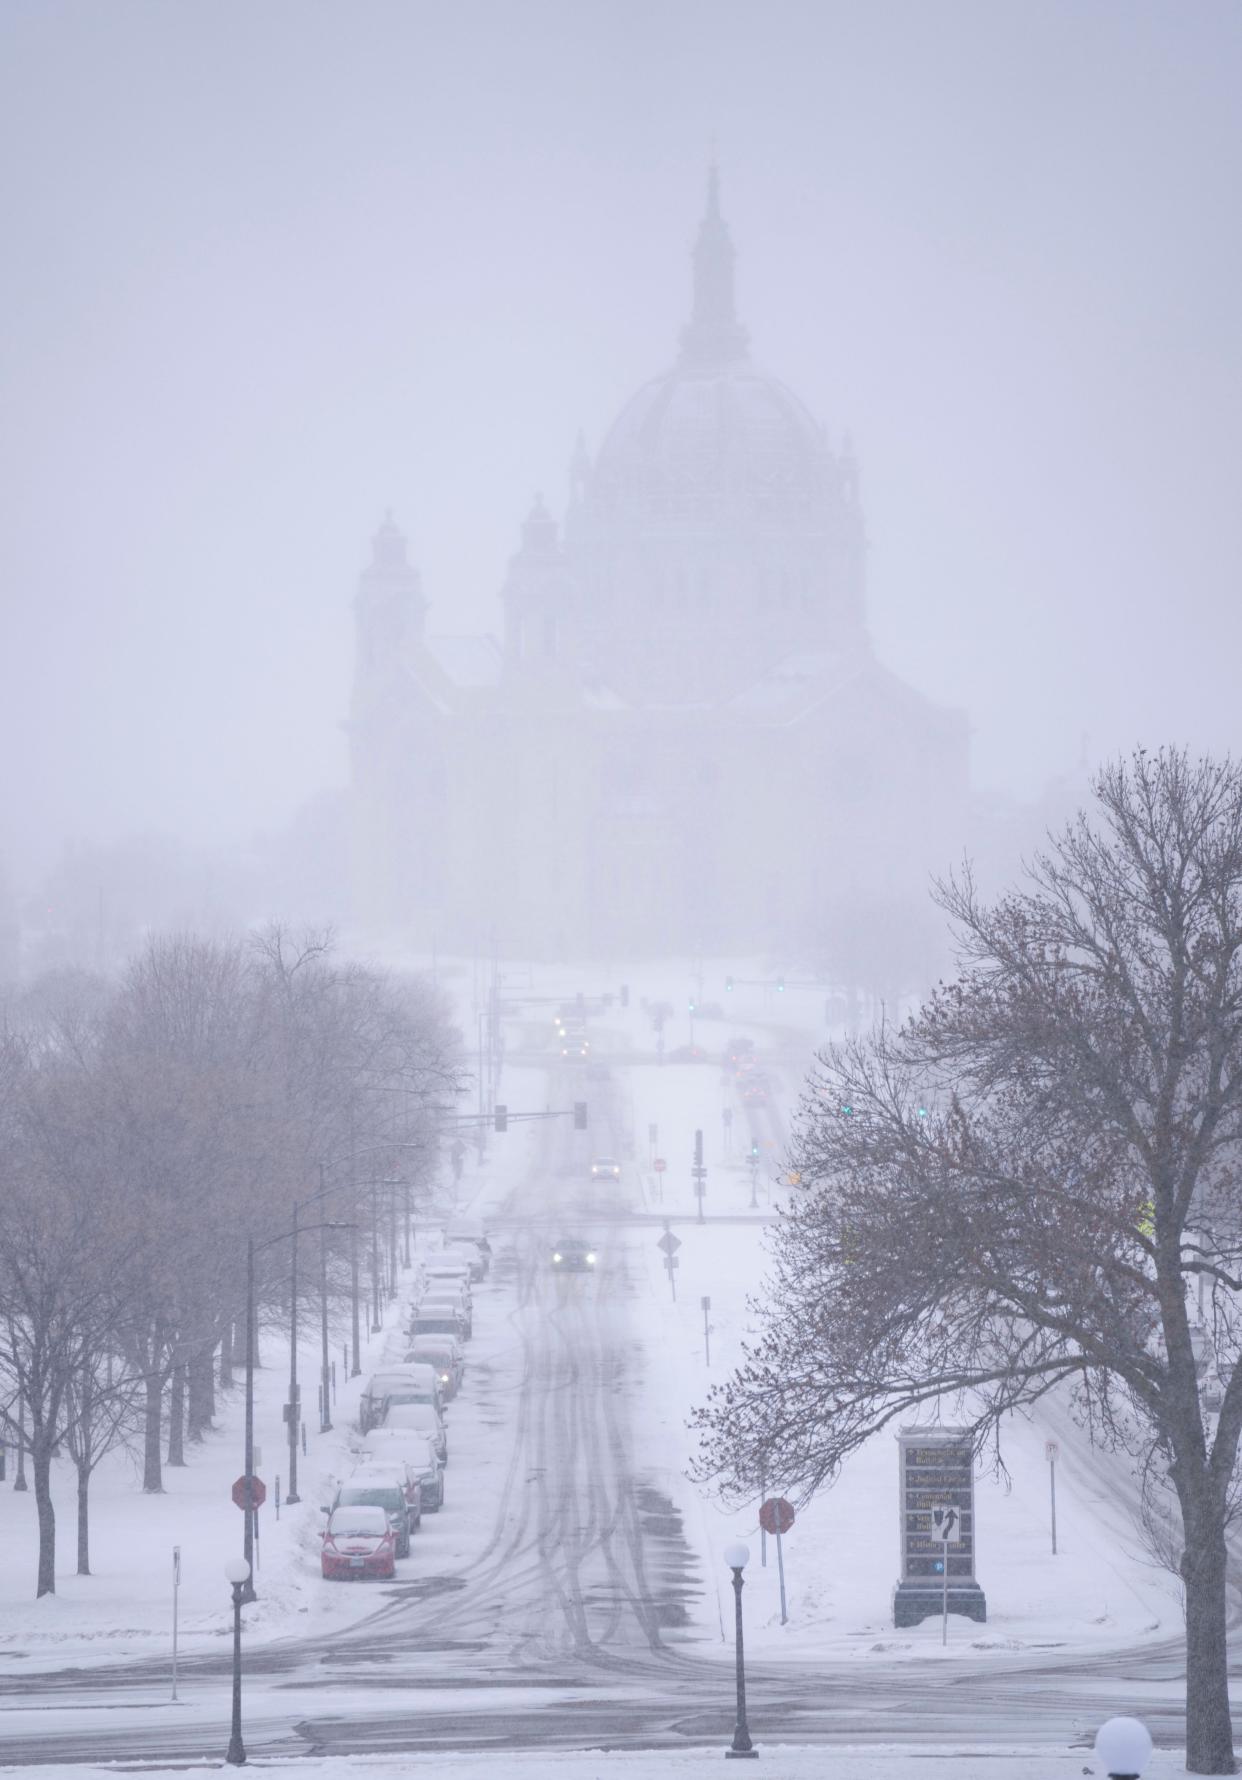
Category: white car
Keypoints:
(388, 1446)
(420, 1418)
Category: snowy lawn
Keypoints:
(775, 1762)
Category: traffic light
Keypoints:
(780, 985)
(728, 985)
(580, 1107)
(500, 1118)
(625, 995)
(754, 1150)
(692, 1004)
(698, 1149)
(847, 1112)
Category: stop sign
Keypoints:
(659, 1164)
(776, 1515)
(258, 1492)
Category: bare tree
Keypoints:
(101, 1413)
(1036, 1180)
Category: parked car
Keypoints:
(413, 1381)
(446, 1321)
(444, 1353)
(388, 1445)
(475, 1233)
(385, 1490)
(449, 1300)
(574, 1254)
(448, 1266)
(477, 1262)
(422, 1418)
(377, 1465)
(358, 1541)
(605, 1168)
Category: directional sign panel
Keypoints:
(669, 1243)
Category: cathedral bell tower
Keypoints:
(536, 598)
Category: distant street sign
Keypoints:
(705, 1303)
(944, 1523)
(776, 1515)
(1052, 1451)
(669, 1243)
(258, 1492)
(671, 1263)
(659, 1164)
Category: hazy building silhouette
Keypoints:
(684, 741)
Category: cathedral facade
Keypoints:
(684, 742)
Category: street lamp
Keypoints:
(1124, 1746)
(238, 1572)
(737, 1556)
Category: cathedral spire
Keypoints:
(714, 335)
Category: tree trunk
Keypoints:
(152, 1476)
(1209, 1732)
(84, 1543)
(200, 1374)
(226, 1355)
(176, 1416)
(41, 1465)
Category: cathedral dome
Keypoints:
(716, 432)
(708, 436)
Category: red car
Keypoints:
(358, 1541)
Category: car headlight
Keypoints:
(556, 1257)
(590, 1260)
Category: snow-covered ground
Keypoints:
(777, 1763)
(1101, 1591)
(124, 1609)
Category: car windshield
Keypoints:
(374, 1495)
(358, 1521)
(414, 1446)
(604, 1162)
(437, 1325)
(443, 1358)
(412, 1415)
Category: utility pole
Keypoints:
(699, 1173)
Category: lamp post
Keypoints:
(238, 1572)
(1124, 1746)
(736, 1556)
(252, 1249)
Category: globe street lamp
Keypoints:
(237, 1571)
(736, 1556)
(1124, 1746)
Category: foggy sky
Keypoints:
(271, 267)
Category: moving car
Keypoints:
(358, 1541)
(605, 1168)
(408, 1446)
(573, 1254)
(386, 1490)
(444, 1353)
(421, 1418)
